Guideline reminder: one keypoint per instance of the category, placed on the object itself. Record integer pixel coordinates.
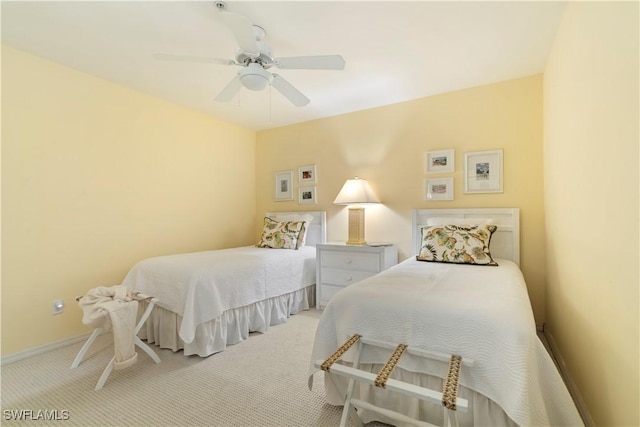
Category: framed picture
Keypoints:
(439, 161)
(307, 195)
(284, 186)
(438, 189)
(483, 172)
(307, 174)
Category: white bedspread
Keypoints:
(478, 312)
(200, 286)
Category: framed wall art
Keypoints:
(438, 189)
(483, 172)
(439, 161)
(307, 175)
(284, 186)
(307, 195)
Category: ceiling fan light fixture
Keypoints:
(255, 78)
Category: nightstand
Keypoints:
(339, 265)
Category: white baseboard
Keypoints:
(34, 351)
(571, 385)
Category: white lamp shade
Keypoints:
(356, 192)
(254, 77)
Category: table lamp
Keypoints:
(355, 193)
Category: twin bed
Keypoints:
(480, 312)
(211, 299)
(466, 306)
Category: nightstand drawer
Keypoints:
(335, 276)
(351, 260)
(328, 292)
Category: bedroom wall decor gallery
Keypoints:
(437, 162)
(306, 176)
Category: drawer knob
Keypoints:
(349, 279)
(348, 261)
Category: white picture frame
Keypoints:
(483, 172)
(437, 189)
(439, 161)
(284, 186)
(307, 195)
(307, 175)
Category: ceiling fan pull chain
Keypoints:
(270, 104)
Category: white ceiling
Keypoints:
(394, 51)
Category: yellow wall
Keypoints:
(96, 177)
(591, 205)
(386, 146)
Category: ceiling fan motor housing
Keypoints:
(265, 58)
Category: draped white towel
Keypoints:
(113, 308)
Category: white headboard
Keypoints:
(505, 243)
(317, 231)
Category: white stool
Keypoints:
(151, 301)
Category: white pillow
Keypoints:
(307, 218)
(444, 220)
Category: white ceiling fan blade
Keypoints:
(242, 29)
(321, 62)
(230, 90)
(192, 58)
(291, 93)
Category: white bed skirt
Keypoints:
(232, 327)
(482, 411)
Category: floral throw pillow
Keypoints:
(281, 235)
(307, 218)
(459, 244)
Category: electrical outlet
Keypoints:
(58, 306)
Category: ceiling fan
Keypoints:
(256, 58)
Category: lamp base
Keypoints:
(356, 226)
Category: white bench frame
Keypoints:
(355, 374)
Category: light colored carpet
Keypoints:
(259, 382)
